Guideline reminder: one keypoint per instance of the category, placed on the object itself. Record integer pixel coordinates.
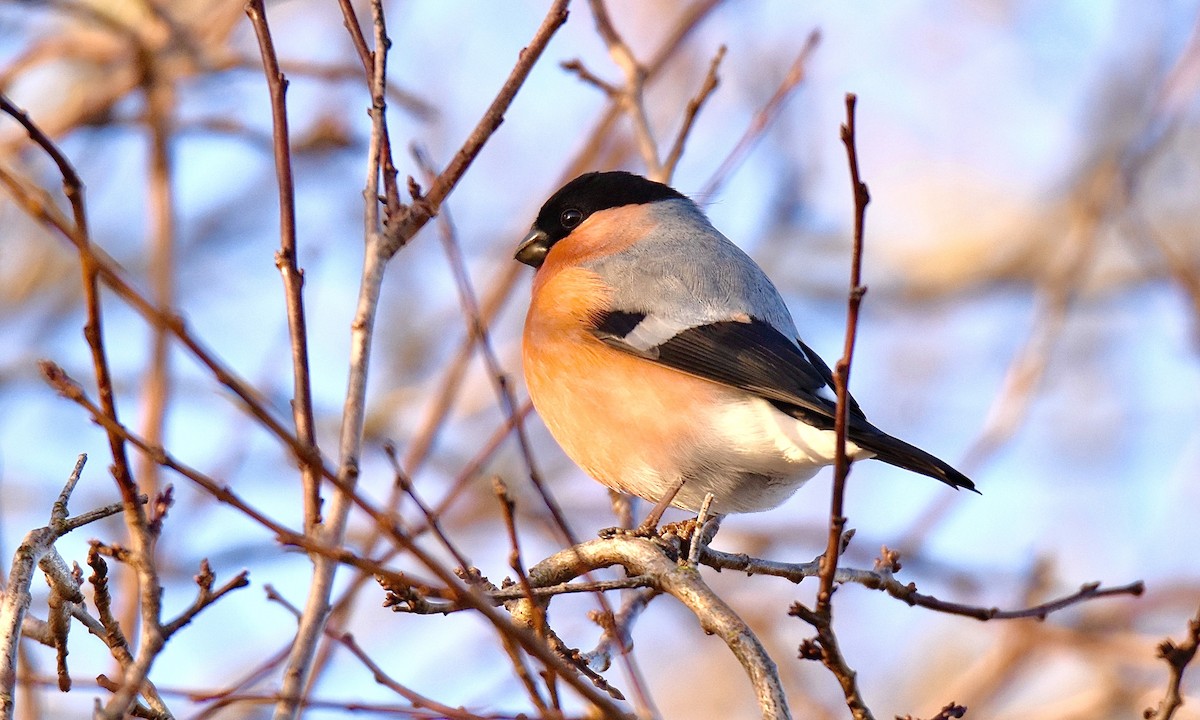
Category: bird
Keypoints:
(665, 363)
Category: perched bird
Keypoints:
(665, 363)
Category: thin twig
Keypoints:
(711, 80)
(630, 94)
(425, 207)
(1177, 657)
(882, 578)
(826, 648)
(347, 640)
(206, 596)
(841, 467)
(37, 551)
(764, 117)
(287, 262)
(142, 536)
(405, 484)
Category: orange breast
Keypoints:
(628, 423)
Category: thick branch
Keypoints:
(640, 556)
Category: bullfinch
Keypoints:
(666, 364)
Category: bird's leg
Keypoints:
(649, 526)
(704, 530)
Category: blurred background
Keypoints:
(1034, 271)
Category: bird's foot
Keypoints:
(649, 531)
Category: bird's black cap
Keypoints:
(578, 199)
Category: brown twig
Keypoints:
(416, 215)
(949, 712)
(882, 578)
(581, 71)
(405, 484)
(142, 536)
(764, 117)
(206, 596)
(825, 648)
(630, 94)
(508, 511)
(455, 589)
(711, 80)
(347, 640)
(374, 70)
(73, 189)
(1177, 657)
(287, 262)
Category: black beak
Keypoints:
(532, 250)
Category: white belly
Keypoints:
(754, 457)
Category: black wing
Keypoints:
(757, 358)
(753, 356)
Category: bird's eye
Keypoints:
(570, 218)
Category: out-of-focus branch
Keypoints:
(711, 80)
(630, 94)
(1105, 191)
(156, 385)
(1177, 657)
(764, 117)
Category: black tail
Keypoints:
(894, 451)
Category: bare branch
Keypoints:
(37, 551)
(949, 712)
(1177, 656)
(287, 261)
(630, 94)
(764, 117)
(641, 556)
(206, 596)
(425, 207)
(825, 648)
(711, 80)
